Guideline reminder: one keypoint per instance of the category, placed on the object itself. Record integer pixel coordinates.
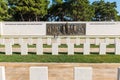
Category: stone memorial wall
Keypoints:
(59, 28)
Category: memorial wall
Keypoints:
(59, 28)
(23, 28)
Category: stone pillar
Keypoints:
(82, 73)
(54, 48)
(2, 73)
(102, 49)
(117, 48)
(38, 73)
(49, 41)
(86, 48)
(77, 41)
(39, 46)
(70, 48)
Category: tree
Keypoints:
(3, 10)
(81, 10)
(28, 10)
(104, 11)
(118, 17)
(77, 10)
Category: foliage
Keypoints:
(105, 11)
(81, 10)
(3, 10)
(60, 10)
(28, 10)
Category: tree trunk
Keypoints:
(21, 17)
(36, 18)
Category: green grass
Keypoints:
(62, 57)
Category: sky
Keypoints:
(117, 1)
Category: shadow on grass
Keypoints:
(2, 52)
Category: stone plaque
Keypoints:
(61, 29)
(83, 73)
(2, 73)
(38, 73)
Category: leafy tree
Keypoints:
(104, 11)
(28, 10)
(81, 10)
(77, 10)
(118, 17)
(3, 10)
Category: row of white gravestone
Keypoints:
(41, 73)
(58, 40)
(39, 46)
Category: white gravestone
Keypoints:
(102, 48)
(107, 41)
(59, 41)
(117, 48)
(83, 73)
(49, 42)
(38, 73)
(87, 40)
(97, 41)
(77, 41)
(24, 48)
(20, 41)
(2, 41)
(39, 46)
(54, 48)
(68, 40)
(8, 47)
(118, 74)
(12, 41)
(117, 40)
(86, 48)
(2, 73)
(70, 48)
(30, 41)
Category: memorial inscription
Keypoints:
(62, 29)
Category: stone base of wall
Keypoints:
(61, 71)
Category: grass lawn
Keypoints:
(62, 57)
